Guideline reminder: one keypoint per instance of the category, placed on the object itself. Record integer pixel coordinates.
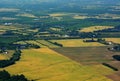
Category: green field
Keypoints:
(46, 65)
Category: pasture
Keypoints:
(47, 65)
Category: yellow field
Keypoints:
(95, 28)
(80, 17)
(2, 57)
(8, 18)
(4, 28)
(46, 65)
(55, 29)
(115, 40)
(57, 14)
(8, 10)
(27, 15)
(76, 43)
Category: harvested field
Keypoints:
(77, 43)
(95, 28)
(2, 57)
(115, 40)
(115, 77)
(87, 55)
(93, 56)
(46, 65)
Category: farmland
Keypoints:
(93, 56)
(47, 65)
(8, 10)
(115, 40)
(41, 43)
(55, 40)
(4, 56)
(95, 28)
(76, 43)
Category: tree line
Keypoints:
(15, 57)
(5, 76)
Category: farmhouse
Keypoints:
(7, 24)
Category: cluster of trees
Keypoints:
(55, 43)
(117, 57)
(108, 65)
(15, 57)
(117, 47)
(33, 46)
(103, 41)
(5, 76)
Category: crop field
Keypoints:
(87, 55)
(5, 28)
(80, 17)
(76, 43)
(58, 14)
(92, 56)
(8, 18)
(46, 43)
(95, 28)
(115, 40)
(27, 15)
(41, 43)
(20, 42)
(45, 64)
(4, 56)
(55, 29)
(8, 10)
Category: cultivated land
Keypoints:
(58, 14)
(76, 43)
(41, 43)
(92, 56)
(87, 55)
(8, 10)
(115, 40)
(4, 56)
(26, 15)
(50, 26)
(46, 65)
(95, 28)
